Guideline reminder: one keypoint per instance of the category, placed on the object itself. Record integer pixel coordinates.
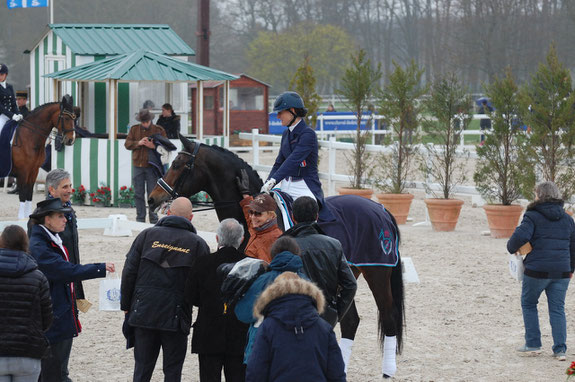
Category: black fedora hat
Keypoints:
(46, 207)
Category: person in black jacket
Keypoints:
(52, 257)
(155, 291)
(548, 267)
(219, 338)
(21, 101)
(25, 308)
(323, 260)
(170, 121)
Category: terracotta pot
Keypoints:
(502, 219)
(364, 192)
(443, 213)
(397, 204)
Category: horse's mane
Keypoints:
(41, 107)
(238, 163)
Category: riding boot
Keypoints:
(22, 211)
(345, 345)
(389, 366)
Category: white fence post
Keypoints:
(256, 146)
(331, 165)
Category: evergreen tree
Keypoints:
(358, 84)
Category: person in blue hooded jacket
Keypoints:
(548, 267)
(293, 343)
(295, 168)
(285, 257)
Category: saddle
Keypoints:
(284, 203)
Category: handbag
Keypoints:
(110, 294)
(516, 266)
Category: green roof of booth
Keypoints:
(110, 39)
(141, 65)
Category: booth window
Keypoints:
(245, 98)
(208, 102)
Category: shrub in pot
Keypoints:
(442, 164)
(400, 110)
(502, 158)
(358, 85)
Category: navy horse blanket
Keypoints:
(6, 148)
(365, 229)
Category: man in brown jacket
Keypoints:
(143, 175)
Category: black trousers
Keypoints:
(147, 343)
(144, 180)
(55, 365)
(211, 367)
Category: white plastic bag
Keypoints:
(110, 294)
(516, 266)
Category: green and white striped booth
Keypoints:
(88, 163)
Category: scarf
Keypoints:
(266, 225)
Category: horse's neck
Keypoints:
(41, 127)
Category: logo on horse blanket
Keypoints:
(386, 243)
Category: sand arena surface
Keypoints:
(463, 321)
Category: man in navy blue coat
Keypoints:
(295, 168)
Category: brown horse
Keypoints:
(213, 169)
(28, 148)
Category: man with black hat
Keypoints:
(21, 101)
(8, 108)
(144, 177)
(48, 220)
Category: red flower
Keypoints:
(73, 190)
(92, 194)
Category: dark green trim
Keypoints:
(45, 45)
(94, 161)
(77, 164)
(74, 95)
(54, 44)
(116, 172)
(123, 107)
(108, 162)
(37, 76)
(60, 158)
(100, 116)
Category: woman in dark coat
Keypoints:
(170, 121)
(25, 308)
(548, 267)
(293, 343)
(46, 246)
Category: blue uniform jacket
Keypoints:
(282, 262)
(298, 159)
(8, 105)
(60, 273)
(551, 233)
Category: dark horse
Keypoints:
(28, 148)
(213, 169)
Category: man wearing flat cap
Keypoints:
(144, 177)
(8, 107)
(21, 100)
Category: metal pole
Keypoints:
(51, 4)
(200, 112)
(226, 114)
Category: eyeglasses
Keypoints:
(255, 213)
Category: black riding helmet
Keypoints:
(3, 69)
(287, 101)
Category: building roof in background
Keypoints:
(112, 39)
(215, 84)
(141, 65)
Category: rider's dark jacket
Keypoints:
(8, 105)
(325, 265)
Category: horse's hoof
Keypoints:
(386, 376)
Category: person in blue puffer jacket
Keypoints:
(548, 267)
(285, 257)
(293, 342)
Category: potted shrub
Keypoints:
(126, 197)
(78, 196)
(358, 84)
(400, 110)
(102, 197)
(447, 103)
(547, 103)
(502, 158)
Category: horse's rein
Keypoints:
(37, 130)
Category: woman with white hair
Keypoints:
(548, 267)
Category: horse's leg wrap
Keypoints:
(345, 345)
(28, 208)
(22, 211)
(389, 366)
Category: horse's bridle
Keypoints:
(61, 121)
(188, 168)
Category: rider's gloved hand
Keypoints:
(243, 182)
(17, 117)
(267, 187)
